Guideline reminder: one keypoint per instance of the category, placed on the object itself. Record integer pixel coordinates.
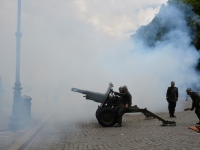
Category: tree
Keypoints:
(156, 30)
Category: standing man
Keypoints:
(172, 98)
(195, 102)
(124, 105)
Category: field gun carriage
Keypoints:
(107, 115)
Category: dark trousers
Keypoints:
(197, 111)
(120, 111)
(171, 107)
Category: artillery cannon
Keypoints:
(106, 113)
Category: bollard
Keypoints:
(27, 109)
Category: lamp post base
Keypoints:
(17, 123)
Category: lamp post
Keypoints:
(17, 116)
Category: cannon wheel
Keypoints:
(97, 111)
(107, 117)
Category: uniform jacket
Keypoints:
(172, 94)
(127, 98)
(195, 99)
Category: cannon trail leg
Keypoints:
(147, 113)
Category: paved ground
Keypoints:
(136, 133)
(7, 138)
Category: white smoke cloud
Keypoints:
(117, 18)
(84, 44)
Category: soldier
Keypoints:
(120, 89)
(195, 102)
(172, 98)
(124, 105)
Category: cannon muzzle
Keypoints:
(80, 91)
(96, 97)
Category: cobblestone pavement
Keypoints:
(7, 138)
(136, 133)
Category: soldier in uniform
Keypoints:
(125, 103)
(120, 89)
(195, 102)
(172, 98)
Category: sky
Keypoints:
(86, 44)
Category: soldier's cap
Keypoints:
(172, 82)
(125, 87)
(120, 88)
(188, 90)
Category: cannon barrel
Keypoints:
(95, 96)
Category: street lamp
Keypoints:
(17, 116)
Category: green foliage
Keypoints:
(194, 24)
(195, 5)
(156, 30)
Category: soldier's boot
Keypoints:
(170, 114)
(173, 114)
(119, 124)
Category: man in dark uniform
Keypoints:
(124, 105)
(195, 102)
(120, 89)
(172, 98)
